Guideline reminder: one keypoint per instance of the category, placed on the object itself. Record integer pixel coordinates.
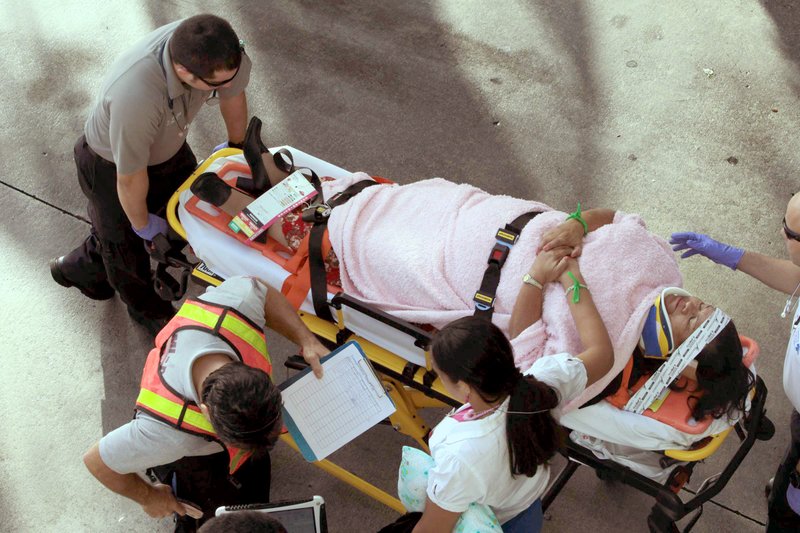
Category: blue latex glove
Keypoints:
(220, 146)
(155, 225)
(793, 498)
(698, 243)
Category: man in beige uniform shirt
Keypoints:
(133, 154)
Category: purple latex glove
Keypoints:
(698, 243)
(220, 146)
(155, 225)
(793, 498)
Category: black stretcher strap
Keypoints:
(319, 285)
(505, 239)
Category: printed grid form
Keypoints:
(346, 402)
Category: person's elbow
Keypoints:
(599, 361)
(606, 357)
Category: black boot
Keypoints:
(253, 149)
(212, 189)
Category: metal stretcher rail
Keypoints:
(669, 508)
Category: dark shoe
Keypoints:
(212, 189)
(151, 324)
(97, 291)
(253, 149)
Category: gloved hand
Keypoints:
(229, 144)
(793, 498)
(155, 225)
(698, 243)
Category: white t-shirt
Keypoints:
(471, 457)
(791, 364)
(145, 442)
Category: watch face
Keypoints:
(794, 479)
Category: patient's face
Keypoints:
(686, 313)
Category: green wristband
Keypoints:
(577, 216)
(576, 288)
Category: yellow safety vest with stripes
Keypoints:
(159, 400)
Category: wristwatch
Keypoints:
(794, 479)
(527, 278)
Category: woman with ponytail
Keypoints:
(494, 449)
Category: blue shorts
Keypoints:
(528, 521)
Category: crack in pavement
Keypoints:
(45, 202)
(734, 511)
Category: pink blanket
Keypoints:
(419, 251)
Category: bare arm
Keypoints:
(132, 191)
(547, 268)
(779, 274)
(435, 519)
(571, 232)
(156, 500)
(281, 317)
(234, 113)
(527, 308)
(598, 217)
(598, 353)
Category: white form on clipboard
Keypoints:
(323, 415)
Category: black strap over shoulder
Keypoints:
(319, 214)
(505, 239)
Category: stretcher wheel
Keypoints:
(766, 429)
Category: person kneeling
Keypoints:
(207, 413)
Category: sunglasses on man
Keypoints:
(789, 233)
(223, 82)
(214, 83)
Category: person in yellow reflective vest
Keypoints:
(207, 412)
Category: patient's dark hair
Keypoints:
(722, 376)
(475, 351)
(243, 522)
(244, 406)
(205, 44)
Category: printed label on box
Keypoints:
(262, 212)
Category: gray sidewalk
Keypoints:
(685, 112)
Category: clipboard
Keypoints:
(301, 516)
(322, 415)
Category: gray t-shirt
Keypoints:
(131, 122)
(145, 442)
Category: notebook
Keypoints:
(323, 415)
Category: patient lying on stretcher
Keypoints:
(715, 385)
(418, 251)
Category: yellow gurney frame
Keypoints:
(413, 387)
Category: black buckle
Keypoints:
(166, 286)
(499, 254)
(483, 301)
(316, 213)
(507, 235)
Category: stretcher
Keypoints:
(398, 351)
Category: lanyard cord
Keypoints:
(169, 99)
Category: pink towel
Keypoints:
(419, 251)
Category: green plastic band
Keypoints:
(577, 216)
(576, 288)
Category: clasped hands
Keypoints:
(555, 264)
(569, 234)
